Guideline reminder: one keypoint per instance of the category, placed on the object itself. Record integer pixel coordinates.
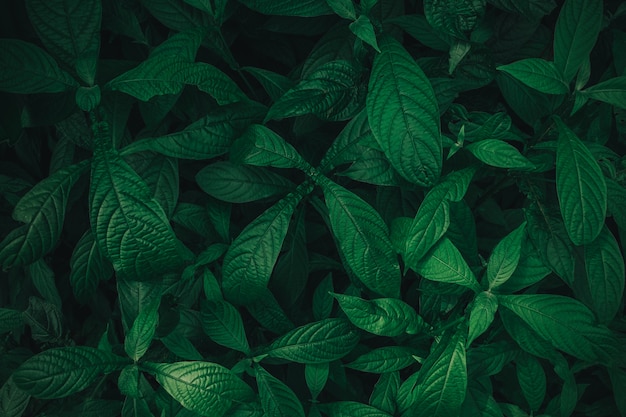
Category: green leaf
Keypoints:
(331, 92)
(363, 240)
(482, 313)
(612, 91)
(261, 146)
(604, 264)
(161, 175)
(529, 104)
(505, 257)
(129, 226)
(59, 372)
(532, 380)
(403, 113)
(10, 319)
(223, 324)
(444, 263)
(270, 315)
(499, 154)
(575, 34)
(206, 388)
(384, 359)
(42, 208)
(455, 17)
(319, 342)
(533, 9)
(206, 138)
(539, 74)
(566, 323)
(382, 316)
(343, 8)
(322, 298)
(277, 399)
(42, 277)
(71, 32)
(13, 401)
(347, 143)
(304, 8)
(140, 335)
(316, 375)
(275, 85)
(235, 183)
(416, 26)
(580, 187)
(351, 409)
(385, 392)
(364, 30)
(27, 69)
(249, 262)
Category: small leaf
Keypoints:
(140, 335)
(364, 30)
(403, 113)
(261, 146)
(319, 342)
(384, 359)
(206, 388)
(351, 409)
(316, 375)
(505, 257)
(481, 315)
(612, 91)
(532, 380)
(539, 74)
(382, 316)
(60, 372)
(499, 154)
(580, 187)
(223, 324)
(277, 399)
(575, 34)
(385, 392)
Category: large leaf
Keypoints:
(70, 30)
(13, 401)
(263, 147)
(481, 314)
(223, 324)
(403, 113)
(454, 17)
(304, 8)
(580, 186)
(352, 409)
(277, 399)
(612, 91)
(27, 69)
(605, 275)
(385, 392)
(249, 262)
(384, 359)
(575, 34)
(43, 210)
(140, 335)
(322, 341)
(235, 183)
(499, 154)
(129, 226)
(505, 257)
(381, 316)
(206, 388)
(539, 74)
(59, 372)
(88, 267)
(532, 380)
(363, 240)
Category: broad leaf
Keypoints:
(499, 154)
(363, 240)
(13, 401)
(59, 372)
(381, 316)
(343, 8)
(347, 144)
(612, 91)
(10, 319)
(384, 359)
(505, 257)
(454, 17)
(364, 30)
(532, 380)
(316, 375)
(352, 409)
(27, 69)
(404, 115)
(275, 85)
(481, 315)
(88, 267)
(140, 335)
(71, 32)
(580, 186)
(263, 147)
(223, 324)
(539, 74)
(385, 392)
(323, 341)
(304, 8)
(575, 34)
(277, 399)
(206, 388)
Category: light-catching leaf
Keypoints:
(263, 147)
(319, 342)
(364, 30)
(505, 257)
(59, 372)
(223, 324)
(612, 91)
(206, 388)
(381, 316)
(384, 359)
(575, 34)
(363, 239)
(277, 399)
(539, 74)
(27, 69)
(140, 335)
(580, 186)
(481, 315)
(499, 154)
(404, 115)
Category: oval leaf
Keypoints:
(263, 147)
(481, 315)
(140, 335)
(383, 360)
(612, 91)
(222, 322)
(505, 257)
(499, 154)
(277, 399)
(539, 74)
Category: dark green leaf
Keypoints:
(482, 313)
(455, 17)
(539, 74)
(223, 324)
(612, 91)
(532, 380)
(277, 399)
(533, 9)
(384, 359)
(364, 30)
(304, 8)
(140, 335)
(385, 392)
(275, 85)
(404, 115)
(13, 401)
(10, 319)
(352, 409)
(505, 257)
(263, 147)
(316, 375)
(499, 154)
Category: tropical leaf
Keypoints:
(316, 376)
(352, 409)
(482, 313)
(10, 319)
(385, 392)
(275, 85)
(364, 30)
(505, 257)
(532, 380)
(343, 8)
(612, 91)
(13, 401)
(404, 115)
(539, 74)
(277, 399)
(384, 359)
(305, 8)
(455, 17)
(261, 146)
(223, 324)
(499, 154)
(140, 335)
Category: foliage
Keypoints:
(312, 208)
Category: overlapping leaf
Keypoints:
(499, 154)
(140, 335)
(612, 91)
(305, 8)
(505, 257)
(539, 74)
(384, 359)
(223, 324)
(263, 147)
(277, 399)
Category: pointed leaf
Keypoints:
(539, 74)
(316, 375)
(454, 18)
(343, 8)
(206, 388)
(140, 335)
(385, 392)
(261, 146)
(404, 115)
(505, 257)
(481, 315)
(532, 380)
(59, 372)
(580, 186)
(10, 319)
(323, 341)
(364, 30)
(384, 359)
(612, 91)
(277, 399)
(499, 154)
(352, 409)
(13, 401)
(223, 324)
(275, 85)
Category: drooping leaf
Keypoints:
(384, 359)
(363, 239)
(27, 69)
(575, 34)
(59, 372)
(580, 186)
(352, 409)
(42, 208)
(223, 324)
(261, 146)
(206, 388)
(499, 154)
(505, 257)
(381, 316)
(612, 91)
(539, 74)
(319, 342)
(532, 380)
(71, 32)
(129, 226)
(404, 115)
(305, 8)
(277, 399)
(140, 335)
(481, 315)
(235, 183)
